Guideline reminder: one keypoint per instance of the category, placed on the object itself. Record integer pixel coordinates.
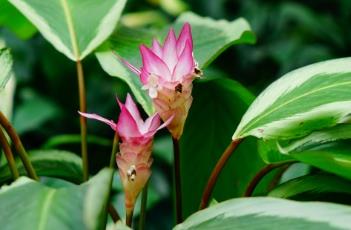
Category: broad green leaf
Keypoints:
(331, 157)
(65, 139)
(74, 28)
(307, 99)
(29, 115)
(7, 96)
(211, 37)
(270, 213)
(15, 21)
(270, 153)
(5, 67)
(322, 187)
(51, 163)
(217, 107)
(338, 132)
(27, 204)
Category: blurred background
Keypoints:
(290, 34)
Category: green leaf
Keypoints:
(15, 21)
(211, 37)
(332, 157)
(27, 204)
(307, 99)
(322, 187)
(65, 139)
(52, 163)
(74, 28)
(270, 213)
(7, 96)
(5, 67)
(217, 107)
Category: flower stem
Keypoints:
(259, 176)
(113, 213)
(9, 156)
(177, 181)
(18, 146)
(129, 217)
(216, 171)
(114, 151)
(83, 120)
(143, 207)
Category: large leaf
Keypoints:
(210, 37)
(332, 157)
(311, 98)
(74, 28)
(52, 163)
(217, 107)
(270, 213)
(27, 204)
(322, 187)
(5, 67)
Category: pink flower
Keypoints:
(167, 73)
(134, 159)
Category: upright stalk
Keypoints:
(18, 146)
(9, 156)
(114, 151)
(177, 182)
(143, 207)
(83, 120)
(262, 173)
(216, 171)
(129, 217)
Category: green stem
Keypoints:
(83, 120)
(216, 171)
(114, 151)
(262, 173)
(143, 207)
(18, 146)
(129, 217)
(9, 156)
(177, 181)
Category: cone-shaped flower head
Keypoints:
(167, 73)
(134, 159)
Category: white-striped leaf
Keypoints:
(307, 99)
(74, 28)
(28, 204)
(211, 38)
(270, 213)
(5, 67)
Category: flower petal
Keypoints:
(153, 64)
(156, 48)
(185, 35)
(126, 125)
(152, 123)
(185, 65)
(169, 120)
(133, 109)
(127, 64)
(169, 50)
(99, 118)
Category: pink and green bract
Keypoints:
(167, 73)
(134, 158)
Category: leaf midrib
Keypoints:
(71, 30)
(45, 211)
(290, 101)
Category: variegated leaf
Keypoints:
(5, 67)
(307, 99)
(270, 213)
(74, 28)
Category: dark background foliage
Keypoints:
(290, 34)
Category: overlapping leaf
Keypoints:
(27, 204)
(308, 99)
